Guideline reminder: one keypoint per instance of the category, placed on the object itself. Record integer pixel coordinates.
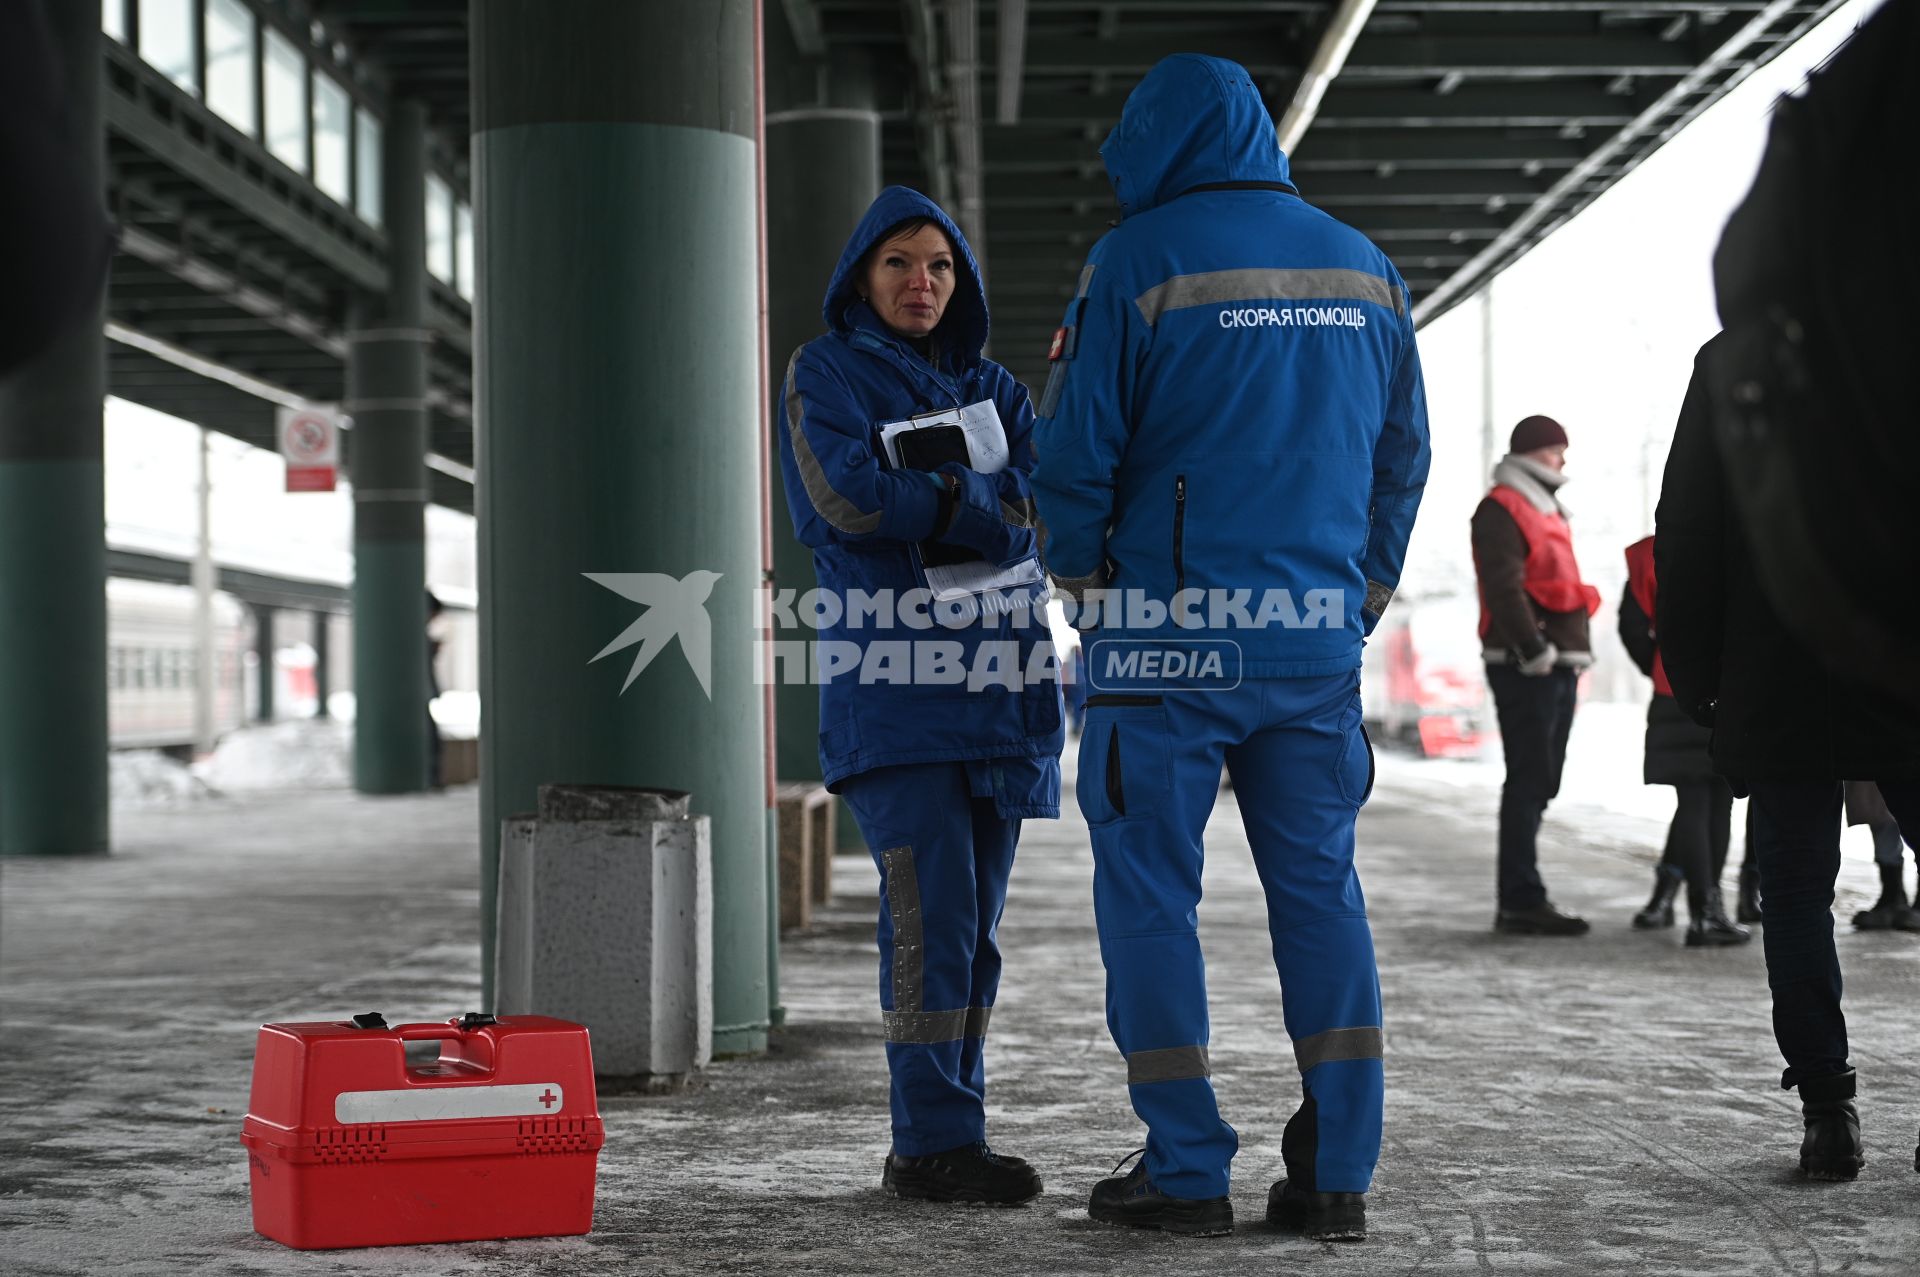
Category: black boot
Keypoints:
(1133, 1201)
(1748, 909)
(1890, 909)
(1323, 1217)
(969, 1173)
(1659, 910)
(1294, 1203)
(1832, 1148)
(1712, 927)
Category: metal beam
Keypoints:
(132, 119)
(1531, 56)
(1336, 42)
(1022, 150)
(1575, 190)
(1357, 104)
(1010, 21)
(1132, 54)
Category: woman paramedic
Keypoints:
(948, 733)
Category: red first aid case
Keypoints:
(349, 1143)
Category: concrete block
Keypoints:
(609, 906)
(796, 864)
(807, 834)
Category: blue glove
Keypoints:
(978, 521)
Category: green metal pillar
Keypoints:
(387, 457)
(823, 169)
(263, 671)
(322, 624)
(53, 556)
(617, 416)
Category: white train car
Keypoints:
(153, 664)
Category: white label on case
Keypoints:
(446, 1103)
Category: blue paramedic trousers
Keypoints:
(1301, 767)
(945, 853)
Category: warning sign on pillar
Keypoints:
(310, 443)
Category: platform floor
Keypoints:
(1605, 1105)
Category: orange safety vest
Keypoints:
(1642, 584)
(1552, 576)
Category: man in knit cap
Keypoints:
(1533, 635)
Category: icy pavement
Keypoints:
(1605, 1105)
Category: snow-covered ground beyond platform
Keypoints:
(303, 753)
(146, 779)
(1602, 798)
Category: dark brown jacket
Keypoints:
(1520, 628)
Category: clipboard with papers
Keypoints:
(978, 430)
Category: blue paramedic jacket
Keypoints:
(861, 517)
(1235, 401)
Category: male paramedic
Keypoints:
(1232, 445)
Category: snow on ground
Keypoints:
(1601, 793)
(303, 753)
(146, 779)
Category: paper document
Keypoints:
(987, 453)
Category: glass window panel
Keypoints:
(439, 228)
(286, 114)
(332, 117)
(366, 160)
(230, 63)
(166, 40)
(113, 19)
(463, 250)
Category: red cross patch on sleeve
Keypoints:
(1059, 345)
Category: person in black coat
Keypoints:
(1787, 729)
(1676, 754)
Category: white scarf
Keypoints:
(1535, 482)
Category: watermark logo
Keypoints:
(1134, 665)
(676, 608)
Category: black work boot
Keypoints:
(1133, 1201)
(1711, 927)
(1832, 1149)
(1293, 1203)
(1889, 910)
(1748, 908)
(970, 1173)
(1544, 919)
(1659, 910)
(1322, 1217)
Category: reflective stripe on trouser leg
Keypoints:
(1299, 780)
(1146, 887)
(920, 821)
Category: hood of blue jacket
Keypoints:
(1193, 120)
(963, 328)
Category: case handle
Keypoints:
(471, 1022)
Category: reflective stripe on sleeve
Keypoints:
(1367, 1043)
(1169, 1064)
(833, 507)
(1219, 287)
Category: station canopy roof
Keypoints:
(1455, 133)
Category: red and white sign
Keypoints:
(310, 443)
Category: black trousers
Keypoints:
(1795, 830)
(1535, 716)
(1698, 837)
